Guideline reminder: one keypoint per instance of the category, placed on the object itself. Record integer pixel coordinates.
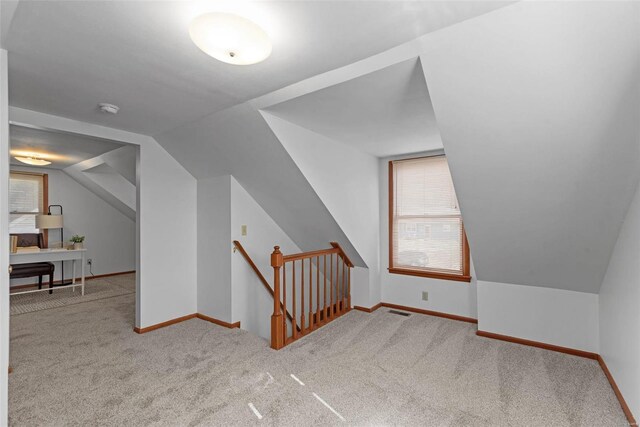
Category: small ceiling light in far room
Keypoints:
(230, 38)
(33, 160)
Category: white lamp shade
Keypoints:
(35, 161)
(49, 221)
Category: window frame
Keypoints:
(45, 197)
(466, 262)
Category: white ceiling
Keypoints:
(384, 113)
(62, 149)
(65, 57)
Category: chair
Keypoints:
(33, 269)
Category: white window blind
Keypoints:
(26, 200)
(427, 233)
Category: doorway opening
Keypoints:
(72, 222)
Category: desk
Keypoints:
(50, 255)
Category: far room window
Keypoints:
(27, 198)
(426, 233)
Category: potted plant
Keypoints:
(78, 241)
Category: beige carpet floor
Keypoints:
(98, 288)
(83, 365)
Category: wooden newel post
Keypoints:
(277, 331)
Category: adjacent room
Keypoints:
(85, 187)
(319, 213)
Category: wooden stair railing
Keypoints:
(254, 267)
(332, 291)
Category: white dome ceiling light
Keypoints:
(32, 160)
(230, 38)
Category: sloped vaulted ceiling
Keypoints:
(239, 142)
(538, 106)
(383, 113)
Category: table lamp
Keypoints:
(50, 221)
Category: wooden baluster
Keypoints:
(340, 282)
(317, 291)
(302, 319)
(294, 324)
(277, 340)
(331, 306)
(284, 299)
(310, 294)
(344, 286)
(339, 285)
(336, 304)
(349, 288)
(325, 289)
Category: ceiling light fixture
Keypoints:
(32, 160)
(230, 38)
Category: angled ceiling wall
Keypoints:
(110, 176)
(346, 180)
(538, 107)
(238, 141)
(383, 113)
(336, 134)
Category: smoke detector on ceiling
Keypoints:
(108, 108)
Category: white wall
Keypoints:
(214, 247)
(4, 242)
(619, 313)
(167, 216)
(166, 219)
(346, 180)
(110, 236)
(551, 316)
(252, 303)
(228, 289)
(445, 296)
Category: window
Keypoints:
(426, 234)
(27, 198)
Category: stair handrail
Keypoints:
(342, 253)
(253, 265)
(255, 268)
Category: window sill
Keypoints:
(430, 274)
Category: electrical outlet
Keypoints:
(89, 261)
(425, 296)
(244, 230)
